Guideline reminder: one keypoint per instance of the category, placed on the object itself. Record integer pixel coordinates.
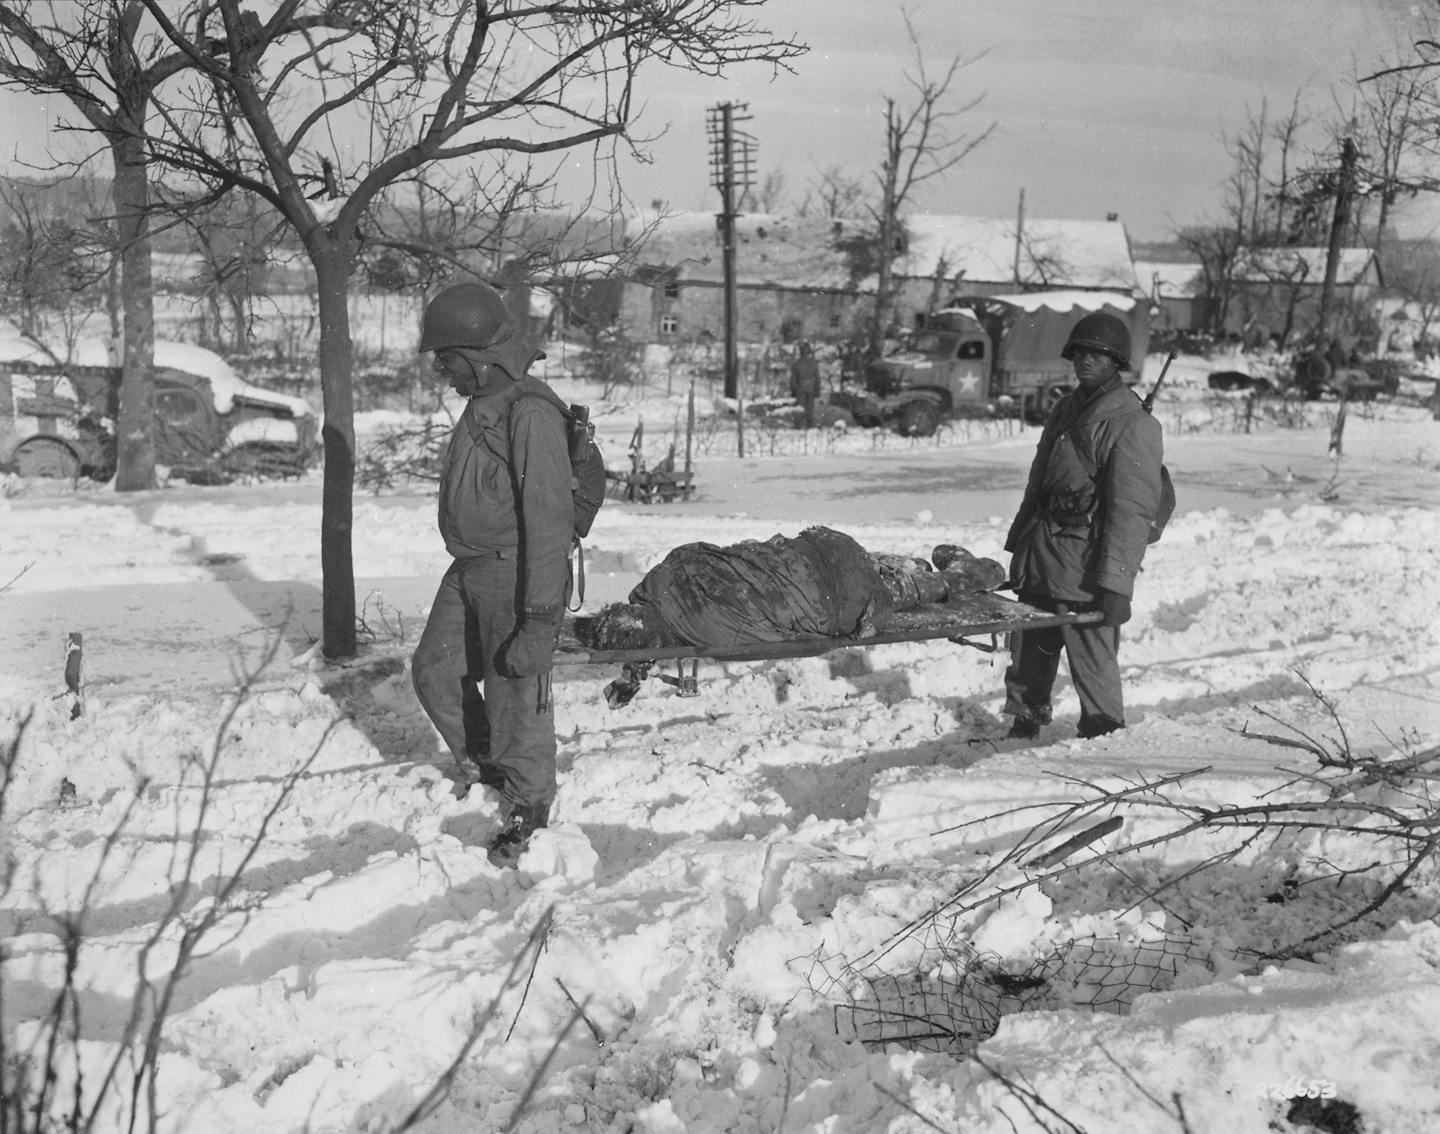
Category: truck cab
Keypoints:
(948, 366)
(989, 355)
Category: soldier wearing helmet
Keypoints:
(1081, 531)
(482, 666)
(805, 382)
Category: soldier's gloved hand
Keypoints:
(531, 648)
(1115, 607)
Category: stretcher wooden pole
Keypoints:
(975, 614)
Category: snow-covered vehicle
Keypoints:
(210, 425)
(989, 354)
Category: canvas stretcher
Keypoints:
(961, 618)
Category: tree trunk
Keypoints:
(135, 427)
(337, 565)
(1343, 190)
(889, 228)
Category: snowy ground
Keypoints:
(749, 889)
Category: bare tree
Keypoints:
(1217, 247)
(1045, 262)
(96, 55)
(1286, 133)
(1394, 109)
(409, 87)
(1267, 203)
(768, 197)
(939, 281)
(922, 142)
(834, 194)
(237, 239)
(1245, 187)
(53, 265)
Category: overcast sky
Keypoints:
(1100, 106)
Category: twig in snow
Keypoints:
(1139, 1086)
(1029, 1098)
(542, 931)
(589, 1023)
(440, 1089)
(16, 577)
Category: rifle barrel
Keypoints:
(1149, 400)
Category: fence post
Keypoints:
(74, 678)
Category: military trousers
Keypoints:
(1093, 655)
(503, 726)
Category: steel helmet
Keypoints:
(1103, 332)
(466, 315)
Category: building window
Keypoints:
(672, 289)
(669, 324)
(834, 319)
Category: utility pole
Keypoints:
(1344, 191)
(732, 171)
(1019, 236)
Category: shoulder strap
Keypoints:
(1092, 466)
(481, 436)
(525, 389)
(576, 566)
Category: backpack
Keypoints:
(587, 466)
(587, 473)
(1166, 509)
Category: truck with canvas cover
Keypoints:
(990, 355)
(58, 414)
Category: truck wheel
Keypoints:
(47, 457)
(919, 419)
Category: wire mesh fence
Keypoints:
(957, 1002)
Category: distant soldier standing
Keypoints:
(1081, 532)
(805, 382)
(507, 517)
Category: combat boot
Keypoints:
(514, 837)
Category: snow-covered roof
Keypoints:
(786, 251)
(771, 249)
(1179, 279)
(1265, 265)
(982, 250)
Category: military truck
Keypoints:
(988, 355)
(57, 418)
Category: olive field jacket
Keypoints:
(505, 489)
(1094, 487)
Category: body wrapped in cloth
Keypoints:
(818, 584)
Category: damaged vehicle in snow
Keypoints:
(57, 416)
